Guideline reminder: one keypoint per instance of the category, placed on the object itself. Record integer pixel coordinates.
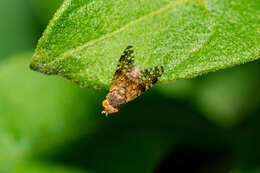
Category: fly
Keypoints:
(129, 82)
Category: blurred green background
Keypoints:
(47, 124)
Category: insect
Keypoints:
(129, 82)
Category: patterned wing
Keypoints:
(126, 62)
(149, 77)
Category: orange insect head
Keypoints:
(104, 103)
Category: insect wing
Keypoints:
(149, 77)
(126, 62)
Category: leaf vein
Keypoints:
(109, 35)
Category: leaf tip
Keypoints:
(32, 65)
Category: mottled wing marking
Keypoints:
(149, 77)
(117, 92)
(126, 62)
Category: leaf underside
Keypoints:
(85, 38)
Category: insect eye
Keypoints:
(104, 103)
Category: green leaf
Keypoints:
(85, 39)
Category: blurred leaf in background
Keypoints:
(231, 95)
(22, 23)
(140, 136)
(225, 97)
(43, 10)
(41, 13)
(16, 27)
(37, 109)
(36, 167)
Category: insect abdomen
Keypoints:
(117, 97)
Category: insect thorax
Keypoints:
(119, 93)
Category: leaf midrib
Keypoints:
(109, 35)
